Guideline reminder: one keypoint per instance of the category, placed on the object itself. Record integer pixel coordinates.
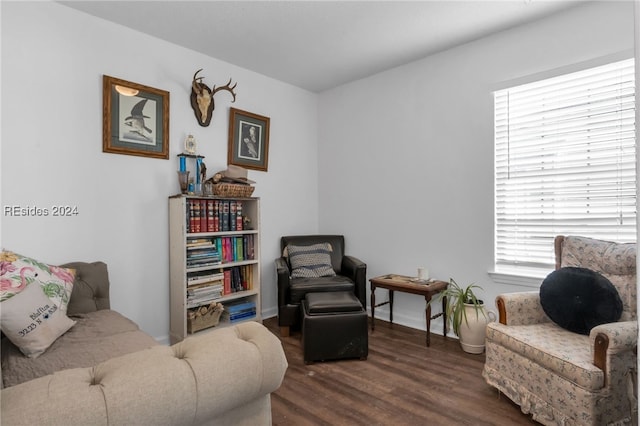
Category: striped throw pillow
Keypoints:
(310, 261)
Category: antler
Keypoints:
(225, 87)
(197, 83)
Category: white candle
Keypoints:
(423, 273)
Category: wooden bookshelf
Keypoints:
(214, 257)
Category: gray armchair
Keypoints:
(350, 276)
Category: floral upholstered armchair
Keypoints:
(559, 376)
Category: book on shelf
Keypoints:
(216, 215)
(227, 281)
(202, 252)
(244, 316)
(213, 215)
(238, 278)
(199, 242)
(210, 216)
(215, 289)
(205, 288)
(239, 221)
(199, 296)
(202, 264)
(232, 215)
(225, 216)
(240, 306)
(235, 248)
(196, 278)
(240, 310)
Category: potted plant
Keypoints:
(467, 315)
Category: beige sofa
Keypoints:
(105, 371)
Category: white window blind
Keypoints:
(564, 162)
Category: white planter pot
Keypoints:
(472, 331)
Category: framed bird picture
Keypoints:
(248, 140)
(135, 119)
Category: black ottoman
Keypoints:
(334, 326)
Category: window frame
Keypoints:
(529, 275)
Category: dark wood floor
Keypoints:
(401, 383)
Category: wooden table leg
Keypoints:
(444, 315)
(373, 307)
(391, 306)
(428, 313)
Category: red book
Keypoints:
(239, 223)
(203, 215)
(227, 241)
(227, 281)
(210, 219)
(195, 216)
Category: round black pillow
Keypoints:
(579, 299)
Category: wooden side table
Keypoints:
(405, 284)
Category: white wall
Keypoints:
(53, 59)
(407, 155)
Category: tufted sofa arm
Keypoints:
(221, 377)
(521, 308)
(90, 289)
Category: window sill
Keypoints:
(521, 277)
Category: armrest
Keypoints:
(622, 336)
(520, 308)
(283, 272)
(356, 269)
(614, 348)
(194, 381)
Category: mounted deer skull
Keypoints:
(202, 98)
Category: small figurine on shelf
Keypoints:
(190, 145)
(246, 222)
(203, 172)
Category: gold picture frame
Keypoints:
(135, 119)
(248, 140)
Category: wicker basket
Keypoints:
(232, 190)
(197, 321)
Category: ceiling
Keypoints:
(318, 45)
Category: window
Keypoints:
(564, 163)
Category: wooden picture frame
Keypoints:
(135, 119)
(248, 140)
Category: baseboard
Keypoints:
(270, 313)
(412, 321)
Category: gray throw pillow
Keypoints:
(310, 261)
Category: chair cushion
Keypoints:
(332, 302)
(299, 287)
(565, 354)
(310, 261)
(579, 299)
(96, 337)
